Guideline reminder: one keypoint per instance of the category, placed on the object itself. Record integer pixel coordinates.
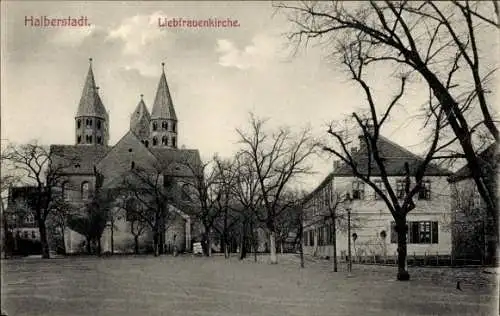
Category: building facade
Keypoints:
(373, 233)
(91, 164)
(472, 230)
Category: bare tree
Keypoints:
(247, 194)
(370, 160)
(157, 191)
(58, 219)
(204, 196)
(137, 224)
(278, 159)
(92, 222)
(34, 163)
(7, 180)
(439, 41)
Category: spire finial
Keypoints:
(142, 96)
(97, 89)
(163, 66)
(90, 61)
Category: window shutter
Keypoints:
(435, 233)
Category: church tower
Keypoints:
(91, 120)
(140, 121)
(163, 125)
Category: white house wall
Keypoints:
(373, 217)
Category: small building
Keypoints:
(23, 236)
(472, 226)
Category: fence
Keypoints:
(428, 259)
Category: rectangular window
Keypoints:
(304, 237)
(311, 238)
(425, 232)
(358, 190)
(400, 188)
(425, 190)
(381, 186)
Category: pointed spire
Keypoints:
(90, 102)
(163, 107)
(139, 120)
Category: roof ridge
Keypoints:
(413, 154)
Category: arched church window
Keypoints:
(146, 143)
(174, 144)
(79, 139)
(90, 122)
(174, 126)
(98, 124)
(85, 190)
(132, 165)
(99, 139)
(164, 140)
(155, 126)
(155, 141)
(90, 139)
(78, 123)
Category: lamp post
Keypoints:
(349, 258)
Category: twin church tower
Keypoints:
(155, 129)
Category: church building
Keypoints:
(92, 164)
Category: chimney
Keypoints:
(336, 165)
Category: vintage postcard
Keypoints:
(249, 158)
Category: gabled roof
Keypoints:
(90, 102)
(163, 107)
(177, 162)
(77, 158)
(394, 157)
(488, 158)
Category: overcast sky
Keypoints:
(216, 76)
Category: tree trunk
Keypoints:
(209, 243)
(99, 246)
(334, 242)
(136, 245)
(272, 242)
(255, 244)
(401, 229)
(209, 240)
(112, 237)
(88, 246)
(243, 248)
(43, 239)
(63, 235)
(226, 251)
(156, 248)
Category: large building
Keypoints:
(372, 225)
(91, 164)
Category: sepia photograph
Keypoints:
(308, 158)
